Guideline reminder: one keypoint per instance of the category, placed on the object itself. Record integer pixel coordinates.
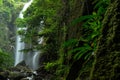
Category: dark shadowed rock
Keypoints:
(3, 75)
(22, 63)
(16, 75)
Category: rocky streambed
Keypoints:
(19, 72)
(23, 72)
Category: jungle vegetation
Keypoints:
(71, 30)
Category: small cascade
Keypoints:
(25, 8)
(35, 61)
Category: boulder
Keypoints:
(22, 63)
(4, 75)
(16, 75)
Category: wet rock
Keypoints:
(4, 75)
(21, 72)
(20, 68)
(28, 78)
(16, 75)
(1, 69)
(22, 63)
(25, 79)
(42, 74)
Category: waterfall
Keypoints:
(31, 58)
(19, 56)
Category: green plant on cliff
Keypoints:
(91, 29)
(91, 32)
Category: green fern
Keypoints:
(83, 51)
(91, 26)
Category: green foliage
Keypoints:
(1, 2)
(50, 65)
(5, 22)
(45, 32)
(57, 69)
(81, 51)
(20, 22)
(91, 32)
(70, 43)
(80, 19)
(101, 3)
(92, 25)
(41, 21)
(5, 59)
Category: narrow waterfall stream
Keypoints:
(19, 56)
(35, 60)
(31, 58)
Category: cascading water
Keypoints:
(35, 60)
(31, 58)
(25, 8)
(19, 56)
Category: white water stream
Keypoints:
(31, 58)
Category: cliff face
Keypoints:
(106, 58)
(107, 55)
(9, 11)
(78, 9)
(5, 19)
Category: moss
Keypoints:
(107, 58)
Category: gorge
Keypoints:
(60, 39)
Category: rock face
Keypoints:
(43, 74)
(3, 75)
(107, 63)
